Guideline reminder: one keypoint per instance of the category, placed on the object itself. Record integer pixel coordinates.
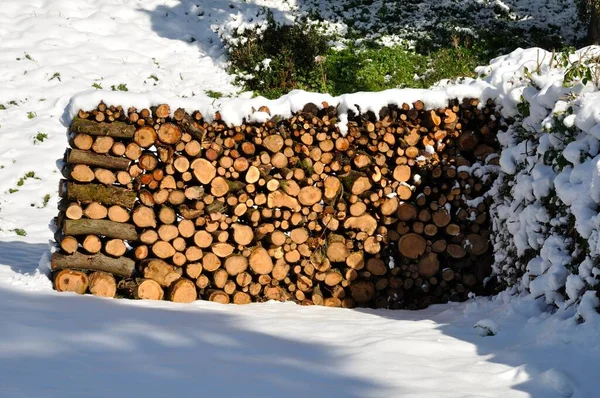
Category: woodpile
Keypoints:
(169, 205)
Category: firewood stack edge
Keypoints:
(163, 204)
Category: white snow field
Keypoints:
(63, 345)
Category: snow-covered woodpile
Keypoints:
(162, 203)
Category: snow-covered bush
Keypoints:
(545, 217)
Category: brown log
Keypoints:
(115, 247)
(68, 280)
(74, 211)
(169, 133)
(82, 173)
(114, 129)
(260, 261)
(220, 278)
(333, 277)
(241, 298)
(92, 244)
(355, 182)
(242, 234)
(441, 217)
(402, 173)
(95, 211)
(77, 156)
(102, 144)
(299, 235)
(218, 296)
(98, 262)
(355, 260)
(106, 228)
(280, 199)
(273, 143)
(362, 291)
(376, 266)
(456, 251)
(475, 244)
(412, 245)
(162, 249)
(310, 195)
(168, 232)
(365, 223)
(252, 175)
(452, 229)
(181, 164)
(222, 249)
(148, 289)
(105, 176)
(133, 151)
(102, 284)
(193, 270)
(83, 141)
(447, 274)
(210, 262)
(186, 228)
(148, 161)
(429, 265)
(141, 252)
(236, 264)
(144, 217)
(118, 213)
(167, 215)
(159, 271)
(69, 244)
(389, 206)
(407, 211)
(145, 136)
(358, 208)
(219, 186)
(100, 193)
(182, 291)
(337, 252)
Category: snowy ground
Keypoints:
(62, 345)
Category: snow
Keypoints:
(71, 346)
(544, 343)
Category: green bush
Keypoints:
(287, 57)
(374, 69)
(283, 58)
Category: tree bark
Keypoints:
(114, 129)
(77, 156)
(122, 266)
(99, 193)
(107, 228)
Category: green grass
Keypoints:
(120, 87)
(285, 58)
(31, 115)
(39, 138)
(46, 199)
(20, 231)
(213, 94)
(27, 176)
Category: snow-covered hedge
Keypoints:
(545, 218)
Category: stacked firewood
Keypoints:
(160, 204)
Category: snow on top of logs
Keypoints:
(233, 111)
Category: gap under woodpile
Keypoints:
(167, 205)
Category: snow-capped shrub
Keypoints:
(545, 218)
